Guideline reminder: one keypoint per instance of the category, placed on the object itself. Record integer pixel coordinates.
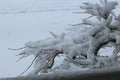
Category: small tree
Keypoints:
(80, 45)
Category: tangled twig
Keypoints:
(29, 65)
(17, 48)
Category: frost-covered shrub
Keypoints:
(80, 45)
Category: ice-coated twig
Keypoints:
(17, 48)
(29, 65)
(21, 57)
(75, 24)
(54, 35)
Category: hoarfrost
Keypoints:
(80, 45)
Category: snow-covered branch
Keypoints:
(81, 44)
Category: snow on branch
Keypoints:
(100, 10)
(80, 45)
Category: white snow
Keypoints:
(30, 20)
